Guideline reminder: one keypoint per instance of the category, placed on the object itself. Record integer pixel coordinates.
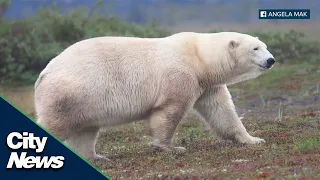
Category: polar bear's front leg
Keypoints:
(217, 108)
(163, 123)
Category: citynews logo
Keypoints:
(26, 141)
(284, 14)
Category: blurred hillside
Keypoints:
(169, 12)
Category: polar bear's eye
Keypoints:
(256, 48)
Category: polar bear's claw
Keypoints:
(179, 149)
(253, 140)
(257, 140)
(100, 158)
(165, 148)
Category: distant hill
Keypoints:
(169, 11)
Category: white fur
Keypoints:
(108, 81)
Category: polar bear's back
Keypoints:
(104, 78)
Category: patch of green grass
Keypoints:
(307, 144)
(275, 77)
(192, 132)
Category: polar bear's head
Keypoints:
(250, 56)
(251, 52)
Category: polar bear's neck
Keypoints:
(243, 77)
(220, 66)
(208, 55)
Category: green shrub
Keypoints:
(291, 47)
(27, 45)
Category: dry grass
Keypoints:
(22, 97)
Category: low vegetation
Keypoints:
(27, 45)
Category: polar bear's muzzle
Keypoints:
(267, 64)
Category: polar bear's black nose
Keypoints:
(270, 61)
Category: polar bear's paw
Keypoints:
(169, 149)
(99, 159)
(179, 150)
(251, 140)
(255, 140)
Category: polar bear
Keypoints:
(106, 81)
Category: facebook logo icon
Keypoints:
(263, 13)
(284, 14)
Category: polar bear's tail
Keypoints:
(41, 76)
(37, 83)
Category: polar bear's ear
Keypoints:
(233, 44)
(257, 37)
